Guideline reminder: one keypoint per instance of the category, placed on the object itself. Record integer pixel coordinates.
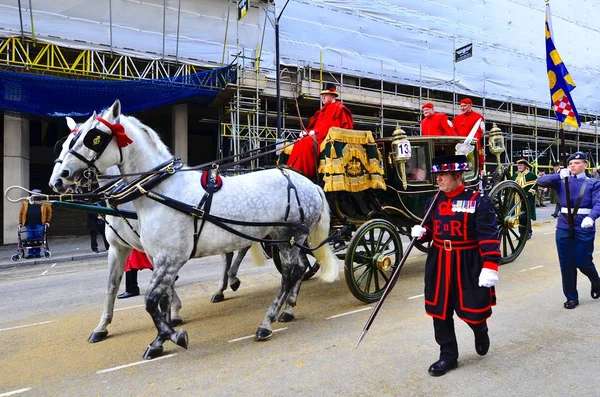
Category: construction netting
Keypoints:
(40, 95)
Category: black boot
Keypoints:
(131, 285)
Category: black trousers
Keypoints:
(94, 238)
(445, 335)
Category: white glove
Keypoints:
(564, 172)
(303, 133)
(417, 231)
(587, 222)
(312, 132)
(488, 278)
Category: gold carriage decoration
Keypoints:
(349, 161)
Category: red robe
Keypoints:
(138, 260)
(303, 157)
(436, 125)
(463, 123)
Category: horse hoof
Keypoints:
(235, 285)
(152, 352)
(285, 317)
(263, 334)
(216, 298)
(181, 338)
(97, 336)
(176, 322)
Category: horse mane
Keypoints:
(153, 135)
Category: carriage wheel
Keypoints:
(513, 214)
(371, 257)
(310, 271)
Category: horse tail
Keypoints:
(330, 266)
(256, 253)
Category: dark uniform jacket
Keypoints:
(464, 236)
(590, 201)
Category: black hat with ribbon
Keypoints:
(454, 163)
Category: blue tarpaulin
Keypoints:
(39, 95)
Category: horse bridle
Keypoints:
(95, 140)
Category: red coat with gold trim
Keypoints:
(303, 153)
(436, 125)
(463, 124)
(464, 239)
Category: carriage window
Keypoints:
(418, 167)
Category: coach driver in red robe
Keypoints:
(462, 263)
(463, 124)
(333, 114)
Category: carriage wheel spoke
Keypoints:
(360, 280)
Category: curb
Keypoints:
(42, 261)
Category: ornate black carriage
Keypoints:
(378, 190)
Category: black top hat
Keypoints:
(454, 163)
(524, 161)
(329, 88)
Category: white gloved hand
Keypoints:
(303, 133)
(312, 132)
(564, 172)
(488, 278)
(417, 231)
(587, 222)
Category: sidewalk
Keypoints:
(63, 249)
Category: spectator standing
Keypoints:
(135, 261)
(34, 217)
(527, 180)
(95, 225)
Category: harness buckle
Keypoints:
(200, 214)
(448, 245)
(170, 170)
(292, 240)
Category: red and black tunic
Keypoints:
(464, 237)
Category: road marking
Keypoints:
(548, 233)
(48, 269)
(252, 336)
(531, 268)
(103, 371)
(129, 307)
(416, 296)
(12, 393)
(28, 325)
(348, 313)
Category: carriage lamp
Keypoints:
(496, 142)
(401, 152)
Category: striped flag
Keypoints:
(560, 81)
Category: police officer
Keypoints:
(462, 263)
(575, 228)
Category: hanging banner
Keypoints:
(463, 53)
(243, 6)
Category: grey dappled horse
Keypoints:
(167, 235)
(122, 239)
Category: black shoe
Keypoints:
(571, 304)
(555, 215)
(95, 250)
(440, 367)
(126, 295)
(595, 291)
(543, 205)
(482, 343)
(529, 235)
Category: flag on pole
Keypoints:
(560, 81)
